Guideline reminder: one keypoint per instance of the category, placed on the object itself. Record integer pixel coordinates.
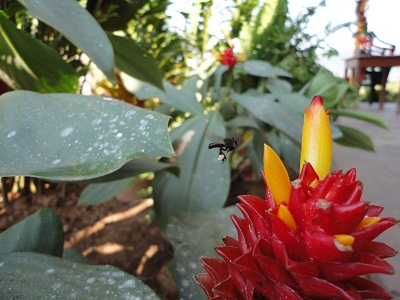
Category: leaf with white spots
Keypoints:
(28, 275)
(185, 230)
(73, 137)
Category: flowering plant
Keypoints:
(228, 58)
(310, 238)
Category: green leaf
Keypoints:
(185, 230)
(134, 61)
(133, 168)
(326, 85)
(341, 88)
(335, 131)
(101, 192)
(242, 121)
(278, 86)
(255, 151)
(41, 232)
(75, 256)
(78, 26)
(271, 110)
(290, 154)
(72, 137)
(180, 99)
(218, 75)
(354, 138)
(37, 276)
(361, 115)
(294, 101)
(263, 68)
(29, 64)
(203, 183)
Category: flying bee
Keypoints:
(229, 144)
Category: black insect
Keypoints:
(229, 144)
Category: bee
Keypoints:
(229, 144)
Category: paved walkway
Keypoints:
(380, 174)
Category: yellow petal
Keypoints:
(368, 221)
(217, 55)
(316, 145)
(286, 216)
(241, 57)
(345, 239)
(276, 176)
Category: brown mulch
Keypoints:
(121, 232)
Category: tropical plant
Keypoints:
(97, 139)
(269, 33)
(220, 106)
(67, 137)
(309, 238)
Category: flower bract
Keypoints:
(228, 58)
(315, 242)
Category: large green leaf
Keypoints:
(278, 86)
(271, 109)
(262, 68)
(101, 192)
(203, 183)
(185, 230)
(77, 25)
(354, 138)
(133, 168)
(29, 275)
(361, 115)
(218, 76)
(326, 85)
(75, 256)
(108, 186)
(72, 137)
(134, 61)
(180, 99)
(41, 232)
(255, 151)
(27, 63)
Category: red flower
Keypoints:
(312, 239)
(228, 58)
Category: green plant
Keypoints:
(99, 140)
(67, 137)
(309, 238)
(34, 267)
(226, 107)
(269, 33)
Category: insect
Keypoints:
(229, 144)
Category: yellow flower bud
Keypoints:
(316, 145)
(276, 176)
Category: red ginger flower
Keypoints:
(314, 244)
(228, 58)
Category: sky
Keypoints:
(382, 17)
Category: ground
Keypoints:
(121, 233)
